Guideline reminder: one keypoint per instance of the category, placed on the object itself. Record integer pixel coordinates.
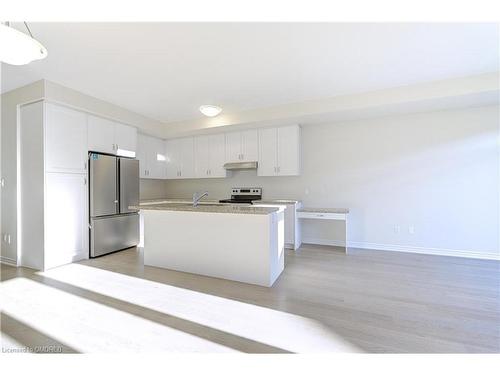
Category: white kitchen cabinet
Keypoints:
(66, 218)
(141, 155)
(249, 145)
(65, 139)
(125, 140)
(156, 159)
(289, 151)
(101, 135)
(201, 156)
(53, 192)
(209, 151)
(151, 156)
(111, 137)
(268, 157)
(217, 155)
(242, 146)
(172, 158)
(279, 151)
(186, 152)
(180, 158)
(233, 147)
(292, 228)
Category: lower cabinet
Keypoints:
(292, 233)
(66, 218)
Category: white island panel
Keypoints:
(241, 247)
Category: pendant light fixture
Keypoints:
(17, 48)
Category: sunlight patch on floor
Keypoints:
(271, 327)
(88, 326)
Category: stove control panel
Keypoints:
(246, 191)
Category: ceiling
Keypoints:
(165, 71)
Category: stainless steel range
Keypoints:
(244, 195)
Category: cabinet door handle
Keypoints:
(85, 180)
(85, 166)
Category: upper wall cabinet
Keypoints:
(279, 151)
(151, 155)
(242, 146)
(126, 140)
(180, 158)
(111, 137)
(65, 140)
(209, 151)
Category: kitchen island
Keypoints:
(236, 242)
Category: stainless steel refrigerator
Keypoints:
(113, 187)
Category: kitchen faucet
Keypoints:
(197, 198)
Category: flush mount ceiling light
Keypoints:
(210, 110)
(17, 48)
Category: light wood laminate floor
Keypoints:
(325, 300)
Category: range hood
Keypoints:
(241, 165)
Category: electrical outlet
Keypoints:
(397, 228)
(411, 229)
(307, 191)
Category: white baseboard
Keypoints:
(8, 261)
(404, 248)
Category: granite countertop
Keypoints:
(226, 208)
(277, 201)
(324, 210)
(175, 200)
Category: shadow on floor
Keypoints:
(226, 339)
(31, 340)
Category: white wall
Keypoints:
(436, 171)
(9, 104)
(151, 189)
